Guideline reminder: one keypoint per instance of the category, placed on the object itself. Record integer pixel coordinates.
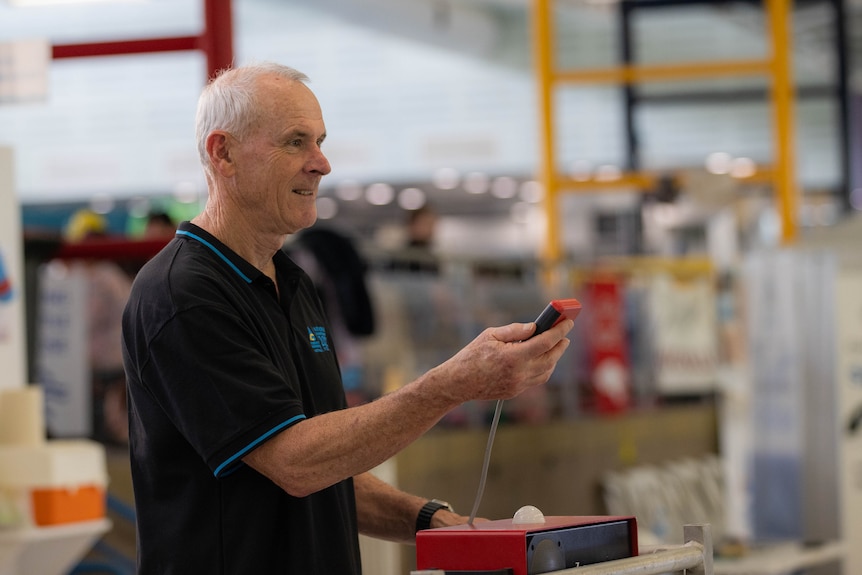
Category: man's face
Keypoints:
(279, 164)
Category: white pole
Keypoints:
(13, 355)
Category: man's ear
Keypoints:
(219, 152)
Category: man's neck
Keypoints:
(249, 244)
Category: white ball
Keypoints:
(528, 514)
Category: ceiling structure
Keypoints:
(499, 34)
(496, 33)
(508, 20)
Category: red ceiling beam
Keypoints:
(216, 41)
(124, 47)
(118, 249)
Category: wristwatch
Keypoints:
(428, 510)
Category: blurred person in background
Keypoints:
(108, 288)
(421, 225)
(333, 262)
(245, 457)
(159, 225)
(418, 254)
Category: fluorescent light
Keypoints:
(348, 190)
(446, 178)
(504, 187)
(743, 167)
(379, 194)
(719, 163)
(411, 198)
(477, 182)
(327, 208)
(532, 192)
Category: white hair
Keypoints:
(229, 102)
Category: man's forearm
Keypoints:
(328, 448)
(385, 512)
(388, 513)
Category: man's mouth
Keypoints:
(304, 192)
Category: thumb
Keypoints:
(514, 332)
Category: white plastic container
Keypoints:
(58, 482)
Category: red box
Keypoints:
(559, 543)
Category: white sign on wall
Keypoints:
(684, 334)
(24, 70)
(12, 335)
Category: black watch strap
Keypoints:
(423, 521)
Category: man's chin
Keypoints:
(305, 224)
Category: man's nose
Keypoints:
(319, 163)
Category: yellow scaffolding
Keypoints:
(777, 66)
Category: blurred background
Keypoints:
(688, 169)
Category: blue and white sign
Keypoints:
(791, 328)
(63, 366)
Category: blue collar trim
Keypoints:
(217, 252)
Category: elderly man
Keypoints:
(245, 457)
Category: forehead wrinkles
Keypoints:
(284, 103)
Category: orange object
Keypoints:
(58, 505)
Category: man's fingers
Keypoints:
(513, 332)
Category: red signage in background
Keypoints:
(607, 346)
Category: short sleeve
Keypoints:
(213, 378)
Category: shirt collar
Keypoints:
(241, 267)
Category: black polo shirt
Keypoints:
(217, 364)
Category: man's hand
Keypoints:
(502, 363)
(445, 518)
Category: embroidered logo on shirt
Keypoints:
(317, 339)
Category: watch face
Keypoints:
(423, 521)
(445, 504)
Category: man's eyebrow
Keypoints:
(301, 133)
